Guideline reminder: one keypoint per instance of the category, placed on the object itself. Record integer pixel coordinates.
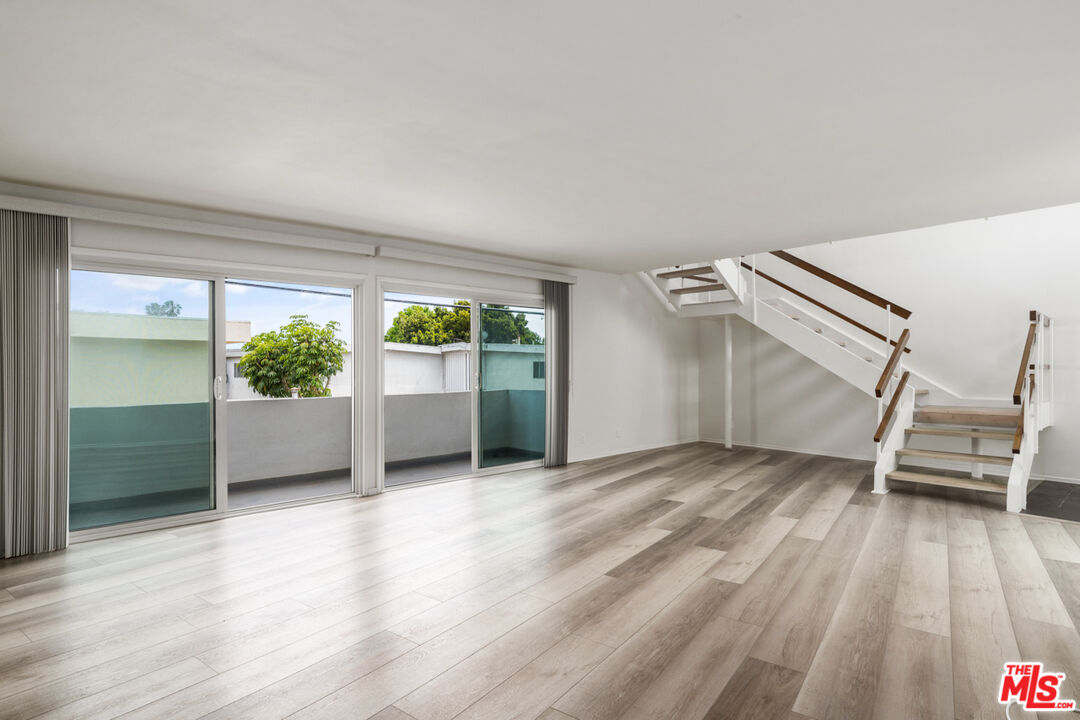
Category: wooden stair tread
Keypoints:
(685, 272)
(957, 432)
(958, 456)
(970, 416)
(946, 481)
(698, 288)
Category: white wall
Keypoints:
(782, 400)
(969, 286)
(456, 375)
(271, 438)
(427, 426)
(411, 369)
(263, 258)
(634, 369)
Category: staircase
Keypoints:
(927, 433)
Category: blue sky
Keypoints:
(267, 308)
(130, 294)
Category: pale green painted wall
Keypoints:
(124, 360)
(510, 367)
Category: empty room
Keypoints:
(556, 361)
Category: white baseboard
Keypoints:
(632, 449)
(803, 451)
(782, 448)
(1056, 478)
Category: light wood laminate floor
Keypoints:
(688, 582)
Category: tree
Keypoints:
(422, 325)
(165, 309)
(456, 323)
(501, 325)
(299, 356)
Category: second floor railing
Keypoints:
(884, 335)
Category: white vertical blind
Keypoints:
(557, 339)
(33, 383)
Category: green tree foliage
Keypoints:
(505, 326)
(165, 309)
(300, 355)
(422, 325)
(456, 323)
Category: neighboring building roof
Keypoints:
(512, 348)
(429, 349)
(237, 331)
(138, 327)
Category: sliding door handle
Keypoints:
(219, 385)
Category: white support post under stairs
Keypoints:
(729, 402)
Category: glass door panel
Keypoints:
(141, 368)
(288, 370)
(512, 398)
(427, 396)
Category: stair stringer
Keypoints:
(939, 394)
(840, 361)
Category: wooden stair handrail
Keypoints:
(894, 360)
(1026, 358)
(1018, 438)
(889, 411)
(820, 304)
(842, 283)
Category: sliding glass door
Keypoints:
(512, 399)
(427, 396)
(288, 368)
(142, 415)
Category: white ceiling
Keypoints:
(608, 134)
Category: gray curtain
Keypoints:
(557, 339)
(33, 383)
